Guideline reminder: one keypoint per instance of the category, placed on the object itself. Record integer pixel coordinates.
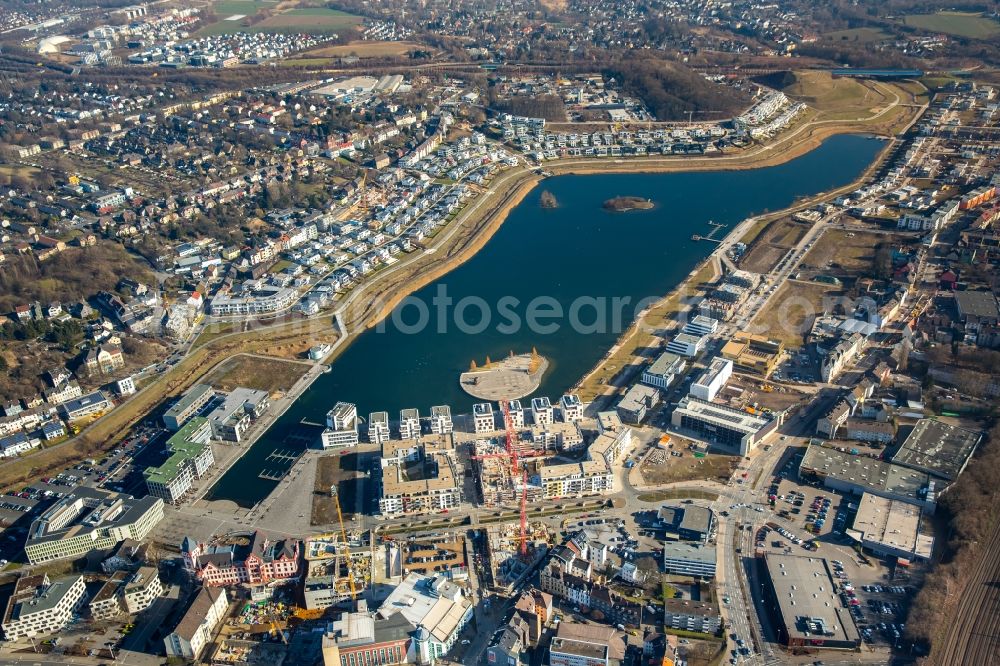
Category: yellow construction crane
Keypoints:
(343, 536)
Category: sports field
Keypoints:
(961, 24)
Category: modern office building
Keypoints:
(197, 627)
(637, 402)
(689, 558)
(378, 427)
(409, 423)
(238, 410)
(190, 404)
(571, 408)
(732, 429)
(662, 372)
(800, 596)
(542, 412)
(711, 381)
(441, 423)
(38, 606)
(686, 345)
(341, 427)
(90, 519)
(701, 326)
(189, 457)
(753, 354)
(483, 420)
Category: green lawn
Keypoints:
(962, 24)
(227, 8)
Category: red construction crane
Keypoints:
(516, 467)
(516, 470)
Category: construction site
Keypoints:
(338, 568)
(508, 561)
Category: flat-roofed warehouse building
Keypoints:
(730, 428)
(855, 474)
(890, 528)
(799, 595)
(940, 449)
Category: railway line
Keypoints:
(973, 638)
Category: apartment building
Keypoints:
(692, 616)
(39, 606)
(483, 418)
(436, 489)
(239, 409)
(341, 427)
(637, 402)
(541, 411)
(571, 408)
(198, 625)
(440, 420)
(378, 427)
(409, 423)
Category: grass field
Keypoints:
(264, 374)
(857, 35)
(310, 20)
(227, 8)
(362, 49)
(961, 24)
(665, 495)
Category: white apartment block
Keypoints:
(571, 408)
(516, 414)
(441, 423)
(409, 423)
(701, 325)
(483, 419)
(142, 590)
(541, 411)
(591, 477)
(198, 625)
(378, 427)
(341, 427)
(38, 606)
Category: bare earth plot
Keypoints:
(712, 467)
(256, 372)
(791, 311)
(843, 252)
(772, 244)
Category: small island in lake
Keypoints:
(548, 200)
(622, 204)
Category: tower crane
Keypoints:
(343, 535)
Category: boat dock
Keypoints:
(716, 226)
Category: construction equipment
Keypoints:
(343, 535)
(516, 467)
